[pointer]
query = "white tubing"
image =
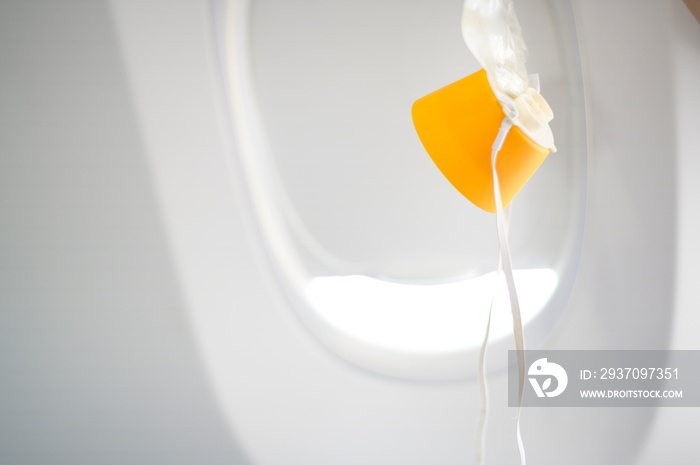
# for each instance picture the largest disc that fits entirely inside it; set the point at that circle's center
(480, 450)
(504, 256)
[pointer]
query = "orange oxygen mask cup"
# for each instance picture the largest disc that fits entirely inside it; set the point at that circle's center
(458, 125)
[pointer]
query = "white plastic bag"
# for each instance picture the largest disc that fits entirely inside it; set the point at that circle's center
(492, 32)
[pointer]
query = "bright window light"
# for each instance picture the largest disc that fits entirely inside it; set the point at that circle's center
(434, 318)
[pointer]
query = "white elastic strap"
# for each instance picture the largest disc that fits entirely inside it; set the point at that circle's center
(483, 386)
(483, 389)
(510, 281)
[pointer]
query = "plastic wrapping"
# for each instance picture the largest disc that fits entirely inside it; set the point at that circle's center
(492, 32)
